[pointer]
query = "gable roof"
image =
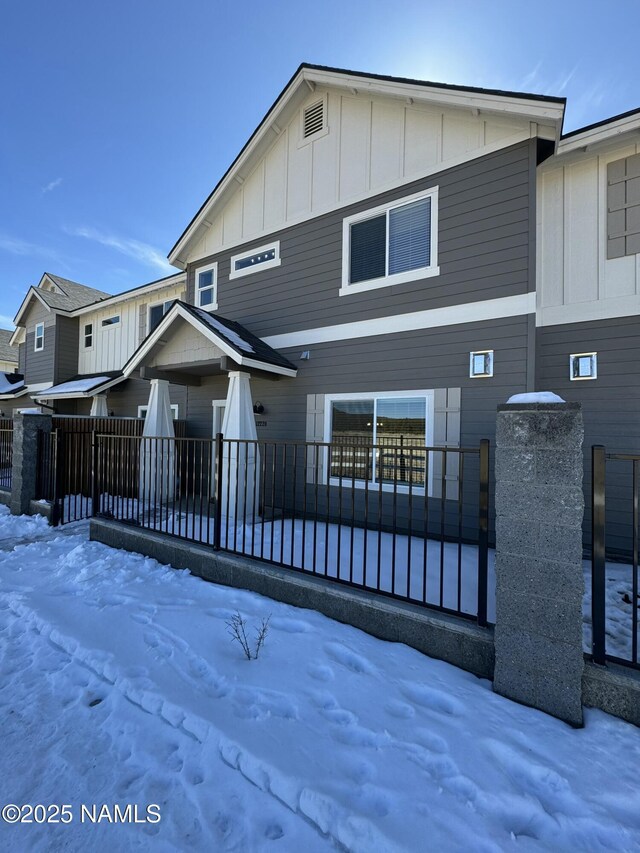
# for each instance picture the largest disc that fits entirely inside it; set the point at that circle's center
(308, 75)
(73, 295)
(600, 131)
(241, 345)
(7, 352)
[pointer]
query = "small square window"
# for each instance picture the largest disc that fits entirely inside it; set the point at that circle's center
(583, 365)
(481, 364)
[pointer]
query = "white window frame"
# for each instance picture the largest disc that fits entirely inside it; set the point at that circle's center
(429, 396)
(85, 336)
(396, 278)
(114, 325)
(324, 130)
(265, 265)
(37, 336)
(488, 356)
(577, 355)
(142, 411)
(164, 303)
(214, 286)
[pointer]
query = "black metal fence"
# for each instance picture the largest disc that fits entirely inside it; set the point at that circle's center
(64, 461)
(614, 576)
(407, 522)
(6, 457)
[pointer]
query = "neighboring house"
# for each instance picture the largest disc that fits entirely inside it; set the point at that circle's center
(8, 353)
(73, 341)
(382, 252)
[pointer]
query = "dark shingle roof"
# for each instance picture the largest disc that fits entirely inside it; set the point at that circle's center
(7, 353)
(73, 295)
(240, 339)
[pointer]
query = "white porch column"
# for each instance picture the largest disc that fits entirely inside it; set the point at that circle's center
(99, 406)
(157, 456)
(240, 472)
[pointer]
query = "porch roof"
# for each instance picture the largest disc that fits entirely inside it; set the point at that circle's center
(83, 385)
(230, 339)
(12, 386)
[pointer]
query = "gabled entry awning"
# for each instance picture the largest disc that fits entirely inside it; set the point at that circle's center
(12, 386)
(191, 342)
(83, 385)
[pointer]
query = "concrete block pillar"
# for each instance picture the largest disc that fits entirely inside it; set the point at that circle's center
(25, 459)
(539, 578)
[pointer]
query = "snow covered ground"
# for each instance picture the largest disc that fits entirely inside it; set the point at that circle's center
(120, 684)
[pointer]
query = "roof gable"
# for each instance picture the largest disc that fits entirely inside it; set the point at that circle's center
(382, 132)
(222, 338)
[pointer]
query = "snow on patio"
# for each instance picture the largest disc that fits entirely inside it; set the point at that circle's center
(120, 685)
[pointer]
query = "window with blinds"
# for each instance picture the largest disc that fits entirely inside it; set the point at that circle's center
(623, 207)
(391, 244)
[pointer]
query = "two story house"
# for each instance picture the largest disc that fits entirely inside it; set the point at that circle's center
(384, 254)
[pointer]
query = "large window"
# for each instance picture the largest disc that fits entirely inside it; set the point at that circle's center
(390, 244)
(206, 282)
(380, 438)
(38, 338)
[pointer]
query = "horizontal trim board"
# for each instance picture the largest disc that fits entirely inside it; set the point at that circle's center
(470, 312)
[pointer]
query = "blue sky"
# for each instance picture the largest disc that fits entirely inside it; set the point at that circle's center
(118, 118)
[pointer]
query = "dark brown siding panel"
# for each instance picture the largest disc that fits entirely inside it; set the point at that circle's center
(610, 403)
(485, 220)
(66, 360)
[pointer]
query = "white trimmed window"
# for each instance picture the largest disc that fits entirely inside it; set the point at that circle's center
(157, 312)
(583, 365)
(88, 335)
(391, 244)
(206, 287)
(399, 424)
(38, 338)
(255, 260)
(108, 322)
(142, 411)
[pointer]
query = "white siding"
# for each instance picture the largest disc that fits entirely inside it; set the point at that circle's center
(575, 280)
(372, 144)
(113, 345)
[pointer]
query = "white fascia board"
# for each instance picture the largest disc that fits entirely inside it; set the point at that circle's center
(263, 128)
(18, 337)
(33, 291)
(74, 395)
(132, 294)
(452, 315)
(20, 393)
(597, 135)
(483, 101)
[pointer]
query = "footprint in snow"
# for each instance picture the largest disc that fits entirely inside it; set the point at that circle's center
(320, 672)
(432, 699)
(273, 832)
(348, 658)
(154, 642)
(290, 626)
(401, 710)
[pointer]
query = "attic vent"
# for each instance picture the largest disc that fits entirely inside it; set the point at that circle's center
(313, 119)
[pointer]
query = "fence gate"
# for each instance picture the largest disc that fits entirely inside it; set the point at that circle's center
(615, 541)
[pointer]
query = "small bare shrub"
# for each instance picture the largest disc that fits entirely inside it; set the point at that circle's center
(237, 629)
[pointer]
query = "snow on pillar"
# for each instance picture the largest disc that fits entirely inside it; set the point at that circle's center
(99, 406)
(240, 486)
(157, 452)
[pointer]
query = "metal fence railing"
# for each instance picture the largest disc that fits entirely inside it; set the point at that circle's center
(407, 522)
(615, 598)
(6, 458)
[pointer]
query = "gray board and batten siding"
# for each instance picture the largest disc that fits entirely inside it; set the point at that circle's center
(486, 217)
(40, 366)
(610, 404)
